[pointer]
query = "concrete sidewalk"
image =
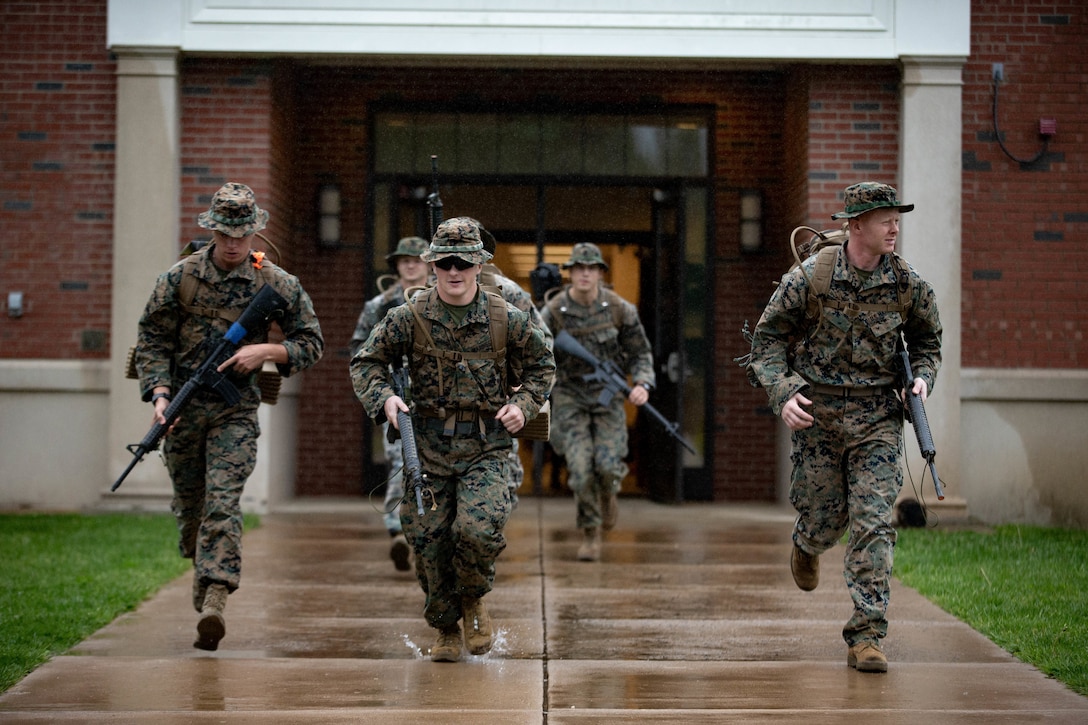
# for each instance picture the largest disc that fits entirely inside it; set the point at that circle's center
(690, 617)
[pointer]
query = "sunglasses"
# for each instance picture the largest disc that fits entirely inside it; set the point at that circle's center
(448, 263)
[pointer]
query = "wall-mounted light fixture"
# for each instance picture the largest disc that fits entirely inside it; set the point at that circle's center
(751, 220)
(328, 215)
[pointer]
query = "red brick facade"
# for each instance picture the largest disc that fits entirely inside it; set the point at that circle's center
(799, 134)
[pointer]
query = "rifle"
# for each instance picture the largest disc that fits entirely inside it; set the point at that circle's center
(614, 380)
(266, 303)
(413, 472)
(434, 201)
(916, 414)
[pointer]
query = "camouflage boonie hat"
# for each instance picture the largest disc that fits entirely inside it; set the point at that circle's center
(869, 195)
(407, 247)
(485, 236)
(234, 212)
(585, 253)
(457, 237)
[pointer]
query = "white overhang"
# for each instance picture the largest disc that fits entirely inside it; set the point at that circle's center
(776, 30)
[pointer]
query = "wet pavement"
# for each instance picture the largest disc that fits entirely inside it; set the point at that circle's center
(691, 616)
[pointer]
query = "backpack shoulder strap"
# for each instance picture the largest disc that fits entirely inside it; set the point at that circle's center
(498, 320)
(189, 284)
(616, 303)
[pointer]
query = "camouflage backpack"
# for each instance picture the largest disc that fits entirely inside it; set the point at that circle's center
(825, 246)
(269, 382)
(554, 301)
(536, 429)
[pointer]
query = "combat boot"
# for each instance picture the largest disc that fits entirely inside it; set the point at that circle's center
(477, 626)
(805, 568)
(447, 648)
(400, 552)
(590, 550)
(610, 510)
(212, 627)
(867, 657)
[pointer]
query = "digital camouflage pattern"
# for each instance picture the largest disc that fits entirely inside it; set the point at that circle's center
(457, 237)
(858, 351)
(373, 311)
(586, 253)
(457, 543)
(213, 445)
(234, 211)
(492, 277)
(593, 438)
(869, 195)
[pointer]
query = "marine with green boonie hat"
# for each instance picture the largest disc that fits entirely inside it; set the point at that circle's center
(457, 237)
(834, 385)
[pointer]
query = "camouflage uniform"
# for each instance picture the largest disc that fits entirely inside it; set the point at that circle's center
(212, 449)
(373, 311)
(467, 502)
(592, 437)
(846, 467)
(515, 294)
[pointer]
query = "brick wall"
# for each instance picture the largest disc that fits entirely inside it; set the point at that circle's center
(1025, 225)
(57, 129)
(800, 135)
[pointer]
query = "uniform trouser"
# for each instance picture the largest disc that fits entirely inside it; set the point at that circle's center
(593, 440)
(846, 477)
(460, 534)
(394, 487)
(210, 454)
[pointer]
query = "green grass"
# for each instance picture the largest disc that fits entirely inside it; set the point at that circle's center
(1024, 587)
(65, 576)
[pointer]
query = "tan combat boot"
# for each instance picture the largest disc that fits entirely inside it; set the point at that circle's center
(867, 657)
(477, 626)
(212, 627)
(447, 648)
(805, 568)
(590, 550)
(610, 510)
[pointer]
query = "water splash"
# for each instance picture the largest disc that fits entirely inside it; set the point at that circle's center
(419, 655)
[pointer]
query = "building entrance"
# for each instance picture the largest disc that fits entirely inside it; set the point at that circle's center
(652, 231)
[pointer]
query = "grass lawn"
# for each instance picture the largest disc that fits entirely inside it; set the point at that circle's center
(64, 576)
(1024, 587)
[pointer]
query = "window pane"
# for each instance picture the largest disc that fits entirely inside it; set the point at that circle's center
(393, 142)
(604, 146)
(646, 149)
(561, 145)
(687, 151)
(519, 145)
(478, 142)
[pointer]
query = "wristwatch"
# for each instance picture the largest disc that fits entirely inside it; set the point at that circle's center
(156, 396)
(649, 388)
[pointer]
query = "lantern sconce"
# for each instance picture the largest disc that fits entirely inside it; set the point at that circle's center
(328, 216)
(751, 220)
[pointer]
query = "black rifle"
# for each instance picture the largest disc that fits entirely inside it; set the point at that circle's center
(916, 414)
(614, 380)
(413, 472)
(434, 201)
(266, 303)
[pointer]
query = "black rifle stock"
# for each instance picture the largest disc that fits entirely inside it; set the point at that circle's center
(608, 373)
(434, 201)
(916, 413)
(413, 472)
(260, 310)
